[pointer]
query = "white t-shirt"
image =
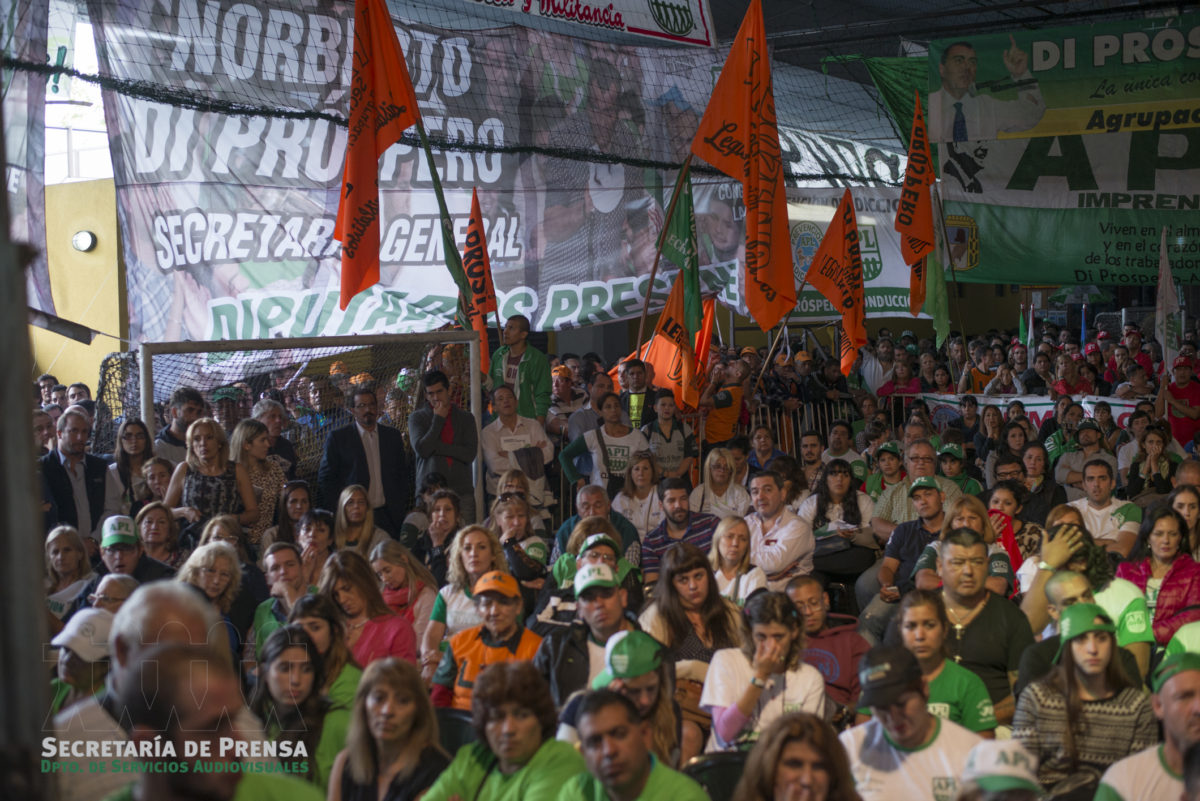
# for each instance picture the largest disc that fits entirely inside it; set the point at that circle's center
(732, 504)
(729, 674)
(644, 514)
(884, 771)
(1141, 777)
(595, 660)
(738, 588)
(620, 450)
(1109, 521)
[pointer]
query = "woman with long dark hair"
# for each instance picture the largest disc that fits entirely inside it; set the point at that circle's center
(295, 499)
(838, 515)
(392, 751)
(125, 488)
(1185, 499)
(798, 756)
(289, 701)
(1161, 567)
(1013, 437)
(1087, 714)
(325, 623)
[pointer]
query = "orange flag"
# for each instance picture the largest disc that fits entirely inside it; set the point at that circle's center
(836, 272)
(914, 215)
(739, 136)
(382, 106)
(672, 354)
(478, 268)
(704, 337)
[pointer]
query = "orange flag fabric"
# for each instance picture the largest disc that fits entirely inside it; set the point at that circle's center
(914, 215)
(478, 267)
(739, 136)
(836, 272)
(704, 337)
(382, 106)
(672, 353)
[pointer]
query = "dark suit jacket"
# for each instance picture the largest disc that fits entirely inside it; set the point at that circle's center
(57, 485)
(345, 462)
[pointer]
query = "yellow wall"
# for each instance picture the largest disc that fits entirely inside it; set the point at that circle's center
(88, 288)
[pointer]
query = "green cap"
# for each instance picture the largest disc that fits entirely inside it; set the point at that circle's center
(600, 539)
(1173, 664)
(891, 447)
(118, 530)
(627, 655)
(1001, 765)
(924, 482)
(594, 576)
(951, 449)
(1078, 619)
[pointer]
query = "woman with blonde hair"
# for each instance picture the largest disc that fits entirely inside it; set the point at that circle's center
(638, 499)
(354, 522)
(408, 587)
(474, 551)
(719, 494)
(68, 570)
(207, 483)
(213, 569)
(158, 530)
(392, 750)
(797, 756)
(515, 480)
(373, 630)
(729, 556)
(967, 512)
(250, 448)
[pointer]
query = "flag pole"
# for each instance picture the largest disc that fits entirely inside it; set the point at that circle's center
(687, 163)
(775, 344)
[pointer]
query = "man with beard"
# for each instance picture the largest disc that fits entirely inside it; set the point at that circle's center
(679, 525)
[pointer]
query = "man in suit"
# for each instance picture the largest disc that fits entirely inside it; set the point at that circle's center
(74, 479)
(446, 441)
(369, 454)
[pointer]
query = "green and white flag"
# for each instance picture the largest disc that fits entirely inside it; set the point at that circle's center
(679, 248)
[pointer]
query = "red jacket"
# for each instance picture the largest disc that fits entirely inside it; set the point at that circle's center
(836, 651)
(1179, 598)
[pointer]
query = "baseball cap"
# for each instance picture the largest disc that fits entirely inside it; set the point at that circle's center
(86, 633)
(781, 359)
(1076, 356)
(118, 530)
(1173, 665)
(749, 351)
(362, 378)
(1087, 424)
(891, 447)
(600, 539)
(338, 367)
(887, 671)
(1078, 619)
(562, 371)
(803, 356)
(1181, 361)
(497, 582)
(627, 655)
(1103, 335)
(1000, 765)
(951, 449)
(1091, 348)
(907, 333)
(924, 482)
(594, 576)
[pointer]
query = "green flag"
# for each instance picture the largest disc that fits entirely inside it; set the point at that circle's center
(1022, 335)
(937, 299)
(679, 248)
(453, 259)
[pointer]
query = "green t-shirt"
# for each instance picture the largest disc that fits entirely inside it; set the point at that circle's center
(958, 695)
(663, 783)
(968, 485)
(342, 690)
(254, 787)
(333, 740)
(1126, 605)
(1187, 639)
(473, 775)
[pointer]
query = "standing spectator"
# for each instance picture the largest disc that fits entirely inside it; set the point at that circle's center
(878, 363)
(73, 479)
(445, 441)
(274, 416)
(610, 444)
(513, 441)
(184, 408)
(251, 448)
(1179, 401)
(208, 483)
(522, 367)
(637, 398)
(369, 454)
(1161, 567)
(564, 400)
(43, 433)
(722, 399)
(671, 440)
(125, 489)
(587, 417)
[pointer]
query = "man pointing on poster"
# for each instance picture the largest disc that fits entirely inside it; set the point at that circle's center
(959, 113)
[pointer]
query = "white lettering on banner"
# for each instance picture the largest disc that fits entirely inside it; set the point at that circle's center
(807, 154)
(944, 409)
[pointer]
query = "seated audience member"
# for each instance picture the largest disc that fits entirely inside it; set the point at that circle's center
(253, 589)
(1064, 589)
(967, 512)
(719, 495)
(729, 556)
(112, 592)
(516, 755)
(326, 625)
(592, 501)
(287, 587)
(952, 465)
(1136, 426)
(158, 530)
(999, 770)
(537, 496)
(895, 506)
(1062, 439)
(593, 542)
(1155, 773)
(68, 571)
(749, 687)
(502, 637)
(295, 499)
(1111, 521)
(1089, 446)
(408, 588)
(1185, 499)
(688, 615)
(955, 693)
(798, 756)
(638, 501)
(904, 547)
(354, 523)
(635, 665)
(841, 437)
(1044, 492)
(165, 701)
(83, 658)
(832, 644)
(1161, 567)
(213, 570)
(474, 551)
(1009, 496)
(433, 543)
(615, 742)
(566, 655)
(1151, 470)
(764, 452)
(1087, 714)
(157, 473)
(838, 516)
(392, 748)
(779, 542)
(524, 551)
(121, 552)
(373, 630)
(903, 751)
(314, 535)
(889, 472)
(417, 519)
(679, 524)
(288, 698)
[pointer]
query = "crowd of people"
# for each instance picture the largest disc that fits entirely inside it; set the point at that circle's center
(805, 571)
